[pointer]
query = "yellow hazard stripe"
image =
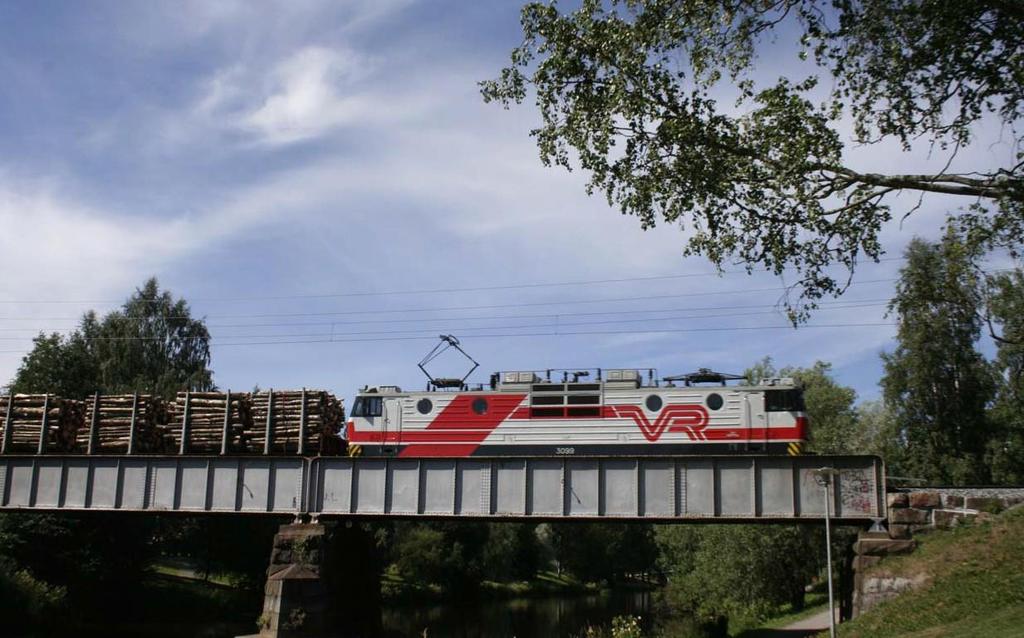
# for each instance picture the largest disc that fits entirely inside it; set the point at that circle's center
(795, 449)
(355, 450)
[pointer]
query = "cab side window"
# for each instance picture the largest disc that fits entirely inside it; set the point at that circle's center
(368, 406)
(783, 401)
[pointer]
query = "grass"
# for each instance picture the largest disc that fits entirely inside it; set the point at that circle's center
(973, 585)
(178, 569)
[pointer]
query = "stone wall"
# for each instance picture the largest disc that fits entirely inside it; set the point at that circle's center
(869, 549)
(914, 511)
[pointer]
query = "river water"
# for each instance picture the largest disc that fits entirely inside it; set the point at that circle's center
(518, 617)
(552, 617)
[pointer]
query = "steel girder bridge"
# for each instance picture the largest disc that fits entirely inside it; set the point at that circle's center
(640, 488)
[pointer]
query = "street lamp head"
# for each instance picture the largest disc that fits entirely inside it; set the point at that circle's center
(824, 475)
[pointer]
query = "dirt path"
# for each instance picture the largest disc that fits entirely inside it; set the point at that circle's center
(817, 622)
(810, 626)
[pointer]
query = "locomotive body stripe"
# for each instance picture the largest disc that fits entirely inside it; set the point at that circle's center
(460, 415)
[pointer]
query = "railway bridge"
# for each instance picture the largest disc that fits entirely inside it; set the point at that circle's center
(649, 488)
(309, 490)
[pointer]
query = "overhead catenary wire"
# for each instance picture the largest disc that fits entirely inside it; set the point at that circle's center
(554, 333)
(825, 306)
(521, 304)
(558, 333)
(466, 328)
(424, 291)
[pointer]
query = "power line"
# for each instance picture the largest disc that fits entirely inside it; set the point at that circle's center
(336, 313)
(420, 291)
(459, 329)
(555, 333)
(829, 305)
(574, 333)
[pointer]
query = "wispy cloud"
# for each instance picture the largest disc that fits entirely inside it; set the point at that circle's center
(306, 95)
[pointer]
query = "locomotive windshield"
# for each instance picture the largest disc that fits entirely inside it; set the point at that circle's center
(368, 406)
(783, 401)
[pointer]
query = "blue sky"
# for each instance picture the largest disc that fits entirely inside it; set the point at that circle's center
(268, 160)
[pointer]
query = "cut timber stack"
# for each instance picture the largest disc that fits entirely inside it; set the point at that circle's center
(113, 415)
(145, 424)
(324, 415)
(206, 416)
(23, 414)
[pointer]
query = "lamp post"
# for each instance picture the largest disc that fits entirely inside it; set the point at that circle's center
(825, 477)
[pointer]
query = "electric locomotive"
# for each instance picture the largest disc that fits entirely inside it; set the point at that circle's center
(613, 412)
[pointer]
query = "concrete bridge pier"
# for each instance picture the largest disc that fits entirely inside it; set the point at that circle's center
(295, 599)
(323, 582)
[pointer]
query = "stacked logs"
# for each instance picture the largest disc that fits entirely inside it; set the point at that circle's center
(113, 416)
(158, 425)
(206, 414)
(324, 413)
(23, 414)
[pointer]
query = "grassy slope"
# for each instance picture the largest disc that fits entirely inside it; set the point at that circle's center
(975, 585)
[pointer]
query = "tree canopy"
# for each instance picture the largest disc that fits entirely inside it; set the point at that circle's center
(1006, 309)
(937, 384)
(718, 571)
(669, 107)
(152, 344)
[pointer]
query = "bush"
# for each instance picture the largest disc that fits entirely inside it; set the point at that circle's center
(26, 601)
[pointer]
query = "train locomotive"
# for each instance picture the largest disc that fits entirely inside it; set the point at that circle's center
(580, 412)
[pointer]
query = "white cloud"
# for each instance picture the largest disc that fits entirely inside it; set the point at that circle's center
(309, 94)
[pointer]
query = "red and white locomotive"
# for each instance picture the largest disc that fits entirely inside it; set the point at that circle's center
(617, 412)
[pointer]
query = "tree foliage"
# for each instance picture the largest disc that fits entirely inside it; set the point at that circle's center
(152, 344)
(830, 406)
(1006, 309)
(603, 551)
(878, 433)
(937, 385)
(722, 571)
(457, 556)
(638, 92)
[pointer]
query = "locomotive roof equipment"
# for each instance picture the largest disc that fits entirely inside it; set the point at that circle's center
(704, 375)
(446, 383)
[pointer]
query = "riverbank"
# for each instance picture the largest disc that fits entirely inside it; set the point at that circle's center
(396, 590)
